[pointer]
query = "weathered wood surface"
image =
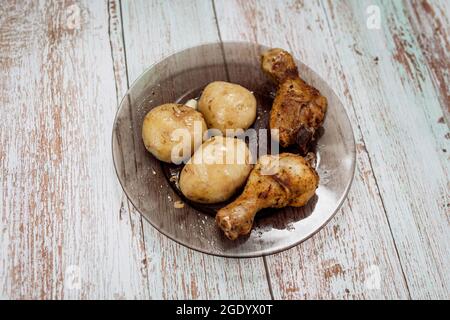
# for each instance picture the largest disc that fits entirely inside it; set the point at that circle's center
(399, 120)
(340, 260)
(391, 98)
(152, 31)
(430, 23)
(67, 230)
(63, 231)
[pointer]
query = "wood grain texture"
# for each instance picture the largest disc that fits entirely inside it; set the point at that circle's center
(430, 24)
(63, 232)
(346, 258)
(68, 231)
(397, 108)
(153, 30)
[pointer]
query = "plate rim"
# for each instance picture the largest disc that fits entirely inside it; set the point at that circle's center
(254, 254)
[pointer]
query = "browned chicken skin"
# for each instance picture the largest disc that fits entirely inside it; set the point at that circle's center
(298, 109)
(286, 179)
(276, 181)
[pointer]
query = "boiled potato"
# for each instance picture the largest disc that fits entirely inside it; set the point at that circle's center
(227, 106)
(216, 170)
(163, 140)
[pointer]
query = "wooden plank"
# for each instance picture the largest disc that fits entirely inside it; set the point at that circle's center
(63, 231)
(398, 107)
(64, 216)
(153, 30)
(430, 22)
(354, 255)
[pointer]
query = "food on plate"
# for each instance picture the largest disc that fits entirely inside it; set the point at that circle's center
(178, 204)
(221, 166)
(160, 137)
(227, 106)
(216, 171)
(276, 181)
(298, 109)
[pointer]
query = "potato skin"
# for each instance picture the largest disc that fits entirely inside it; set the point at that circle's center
(160, 123)
(227, 106)
(213, 181)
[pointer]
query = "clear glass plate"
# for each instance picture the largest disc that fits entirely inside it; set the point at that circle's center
(145, 180)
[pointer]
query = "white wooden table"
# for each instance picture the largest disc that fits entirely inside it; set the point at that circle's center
(66, 228)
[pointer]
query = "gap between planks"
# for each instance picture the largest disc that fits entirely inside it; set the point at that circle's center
(369, 159)
(330, 30)
(122, 84)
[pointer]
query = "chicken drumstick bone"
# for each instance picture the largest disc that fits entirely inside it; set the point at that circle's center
(276, 181)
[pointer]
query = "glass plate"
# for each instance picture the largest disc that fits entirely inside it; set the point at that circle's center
(145, 180)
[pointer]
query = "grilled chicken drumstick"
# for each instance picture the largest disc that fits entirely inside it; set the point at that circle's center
(298, 109)
(276, 181)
